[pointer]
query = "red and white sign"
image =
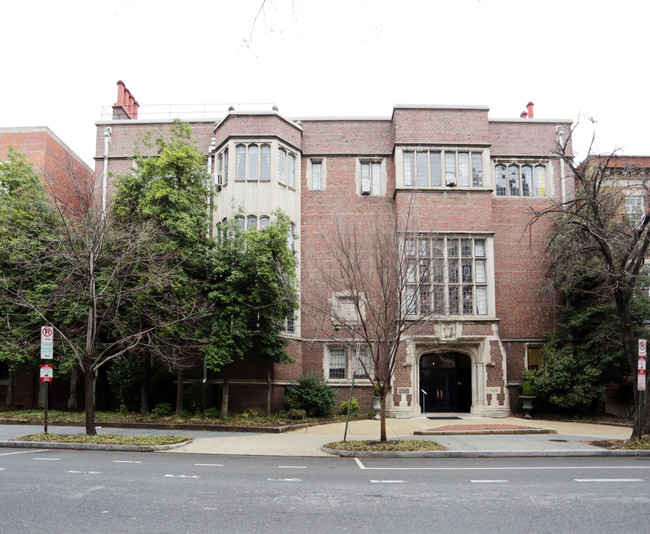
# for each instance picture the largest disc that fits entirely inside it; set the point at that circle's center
(642, 347)
(46, 373)
(47, 342)
(47, 334)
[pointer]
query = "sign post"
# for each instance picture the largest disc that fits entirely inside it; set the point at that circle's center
(47, 353)
(641, 375)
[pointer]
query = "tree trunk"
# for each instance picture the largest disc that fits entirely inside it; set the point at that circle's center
(268, 390)
(89, 383)
(144, 393)
(179, 392)
(224, 399)
(73, 404)
(9, 401)
(641, 425)
(382, 417)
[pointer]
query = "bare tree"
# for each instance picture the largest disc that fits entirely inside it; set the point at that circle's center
(369, 295)
(601, 236)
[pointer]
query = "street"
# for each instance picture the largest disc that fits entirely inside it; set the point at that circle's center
(89, 491)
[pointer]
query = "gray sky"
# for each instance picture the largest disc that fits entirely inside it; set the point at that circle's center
(579, 60)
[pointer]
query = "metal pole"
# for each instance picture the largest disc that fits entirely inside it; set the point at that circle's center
(47, 396)
(354, 372)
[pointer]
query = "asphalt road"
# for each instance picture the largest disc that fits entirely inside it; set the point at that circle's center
(100, 492)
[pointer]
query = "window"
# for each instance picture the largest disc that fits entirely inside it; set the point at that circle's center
(291, 238)
(346, 308)
(370, 178)
(316, 175)
(337, 363)
(265, 220)
(239, 220)
(534, 358)
(520, 180)
(286, 168)
(426, 167)
(634, 209)
(291, 325)
(446, 275)
(342, 364)
(251, 222)
(253, 162)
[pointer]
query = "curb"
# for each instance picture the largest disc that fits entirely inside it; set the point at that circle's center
(483, 432)
(170, 426)
(90, 446)
(485, 454)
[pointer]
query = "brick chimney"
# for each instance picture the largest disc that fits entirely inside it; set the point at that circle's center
(529, 107)
(126, 106)
(524, 115)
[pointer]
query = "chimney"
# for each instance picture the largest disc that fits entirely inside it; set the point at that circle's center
(524, 114)
(529, 107)
(126, 106)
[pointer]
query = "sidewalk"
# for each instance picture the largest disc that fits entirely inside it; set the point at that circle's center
(566, 439)
(562, 439)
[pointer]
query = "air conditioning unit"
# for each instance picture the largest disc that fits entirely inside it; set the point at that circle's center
(219, 181)
(365, 187)
(451, 181)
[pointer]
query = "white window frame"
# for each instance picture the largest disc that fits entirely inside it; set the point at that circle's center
(536, 189)
(431, 277)
(372, 183)
(440, 167)
(313, 182)
(348, 355)
(635, 209)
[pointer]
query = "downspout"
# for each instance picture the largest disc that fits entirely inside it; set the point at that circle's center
(107, 142)
(559, 130)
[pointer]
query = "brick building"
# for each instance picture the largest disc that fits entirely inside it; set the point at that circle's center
(63, 172)
(471, 181)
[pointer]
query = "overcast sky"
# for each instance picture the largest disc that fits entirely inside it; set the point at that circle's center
(579, 60)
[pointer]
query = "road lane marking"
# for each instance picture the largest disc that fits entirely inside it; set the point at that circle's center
(47, 459)
(85, 472)
(127, 461)
(182, 476)
(608, 479)
(210, 465)
(495, 481)
(531, 468)
(284, 479)
(22, 452)
(388, 481)
(2, 469)
(292, 467)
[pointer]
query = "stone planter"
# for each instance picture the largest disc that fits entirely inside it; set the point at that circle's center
(527, 405)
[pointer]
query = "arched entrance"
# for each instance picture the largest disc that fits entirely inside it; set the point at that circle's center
(445, 382)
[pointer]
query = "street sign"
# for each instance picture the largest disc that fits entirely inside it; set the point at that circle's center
(47, 342)
(642, 347)
(46, 373)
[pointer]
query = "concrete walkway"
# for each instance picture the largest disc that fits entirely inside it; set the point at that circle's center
(562, 439)
(308, 441)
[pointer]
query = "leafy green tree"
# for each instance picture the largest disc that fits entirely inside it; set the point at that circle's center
(169, 191)
(251, 287)
(87, 273)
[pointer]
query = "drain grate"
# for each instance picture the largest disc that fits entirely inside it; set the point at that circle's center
(560, 440)
(442, 418)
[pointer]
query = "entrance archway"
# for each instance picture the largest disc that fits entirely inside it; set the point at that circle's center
(445, 382)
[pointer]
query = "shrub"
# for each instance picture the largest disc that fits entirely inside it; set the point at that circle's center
(162, 409)
(248, 413)
(311, 394)
(295, 413)
(210, 413)
(354, 406)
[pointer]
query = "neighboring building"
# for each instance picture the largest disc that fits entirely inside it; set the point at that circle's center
(62, 172)
(475, 180)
